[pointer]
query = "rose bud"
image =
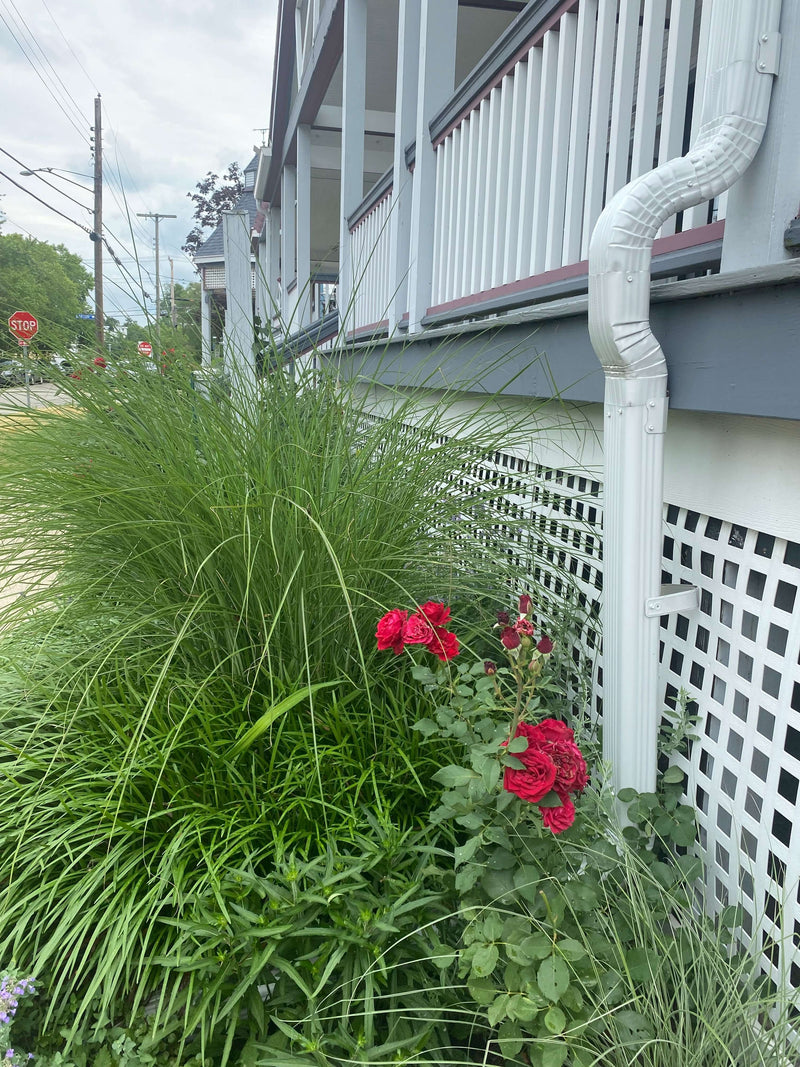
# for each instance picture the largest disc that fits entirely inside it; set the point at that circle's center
(525, 604)
(510, 638)
(503, 618)
(489, 666)
(545, 646)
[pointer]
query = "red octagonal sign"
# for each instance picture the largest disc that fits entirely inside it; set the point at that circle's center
(23, 325)
(145, 348)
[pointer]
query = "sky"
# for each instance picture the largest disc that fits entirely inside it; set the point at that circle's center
(185, 87)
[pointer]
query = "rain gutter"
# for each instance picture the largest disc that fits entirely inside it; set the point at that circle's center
(744, 48)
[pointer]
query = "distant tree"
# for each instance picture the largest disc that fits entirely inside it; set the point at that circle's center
(214, 195)
(49, 282)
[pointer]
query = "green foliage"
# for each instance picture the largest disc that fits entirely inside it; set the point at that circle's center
(48, 282)
(587, 947)
(214, 195)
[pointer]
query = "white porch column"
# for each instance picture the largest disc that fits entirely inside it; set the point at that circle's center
(273, 265)
(303, 225)
(437, 64)
(404, 127)
(354, 71)
(262, 301)
(765, 199)
(205, 327)
(239, 356)
(288, 247)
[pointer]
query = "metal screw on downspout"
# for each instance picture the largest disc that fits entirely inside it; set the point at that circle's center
(762, 65)
(764, 38)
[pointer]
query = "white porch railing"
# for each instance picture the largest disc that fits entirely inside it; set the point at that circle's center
(369, 251)
(524, 172)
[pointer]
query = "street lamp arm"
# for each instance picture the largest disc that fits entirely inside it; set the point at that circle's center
(57, 173)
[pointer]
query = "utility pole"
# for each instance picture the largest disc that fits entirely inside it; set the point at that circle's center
(97, 234)
(173, 314)
(157, 217)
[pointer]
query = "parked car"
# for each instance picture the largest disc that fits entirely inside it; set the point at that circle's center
(12, 372)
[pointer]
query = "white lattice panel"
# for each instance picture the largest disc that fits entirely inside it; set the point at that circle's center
(548, 522)
(738, 658)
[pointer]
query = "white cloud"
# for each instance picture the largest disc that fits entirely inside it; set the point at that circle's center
(184, 84)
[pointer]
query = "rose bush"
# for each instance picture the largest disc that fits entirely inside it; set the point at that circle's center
(549, 951)
(541, 763)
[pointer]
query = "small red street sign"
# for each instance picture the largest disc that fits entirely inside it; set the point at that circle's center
(23, 325)
(145, 348)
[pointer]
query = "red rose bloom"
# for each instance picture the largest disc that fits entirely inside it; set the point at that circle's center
(510, 638)
(570, 764)
(416, 631)
(443, 644)
(524, 626)
(539, 773)
(390, 631)
(556, 740)
(436, 614)
(552, 730)
(545, 646)
(561, 818)
(535, 780)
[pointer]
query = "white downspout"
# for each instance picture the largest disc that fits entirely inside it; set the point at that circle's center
(743, 49)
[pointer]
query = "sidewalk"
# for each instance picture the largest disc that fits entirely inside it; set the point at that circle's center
(45, 394)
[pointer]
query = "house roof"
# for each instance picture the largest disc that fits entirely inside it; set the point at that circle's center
(211, 249)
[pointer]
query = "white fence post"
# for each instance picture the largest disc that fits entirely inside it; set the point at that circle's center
(239, 356)
(205, 327)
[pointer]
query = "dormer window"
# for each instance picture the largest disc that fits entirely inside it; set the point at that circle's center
(249, 179)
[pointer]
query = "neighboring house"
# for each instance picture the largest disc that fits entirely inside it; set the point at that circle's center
(210, 257)
(448, 162)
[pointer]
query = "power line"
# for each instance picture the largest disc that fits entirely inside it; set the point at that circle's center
(45, 204)
(34, 172)
(69, 46)
(38, 73)
(34, 38)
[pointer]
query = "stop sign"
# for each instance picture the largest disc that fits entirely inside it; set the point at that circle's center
(23, 325)
(145, 348)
